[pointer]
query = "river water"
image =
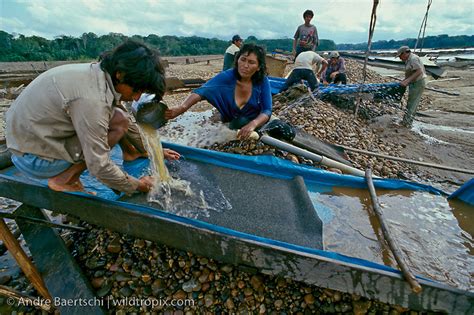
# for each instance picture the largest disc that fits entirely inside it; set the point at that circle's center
(435, 235)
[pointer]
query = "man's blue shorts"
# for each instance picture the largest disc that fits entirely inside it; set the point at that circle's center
(35, 166)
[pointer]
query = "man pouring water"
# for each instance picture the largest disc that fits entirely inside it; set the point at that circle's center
(68, 119)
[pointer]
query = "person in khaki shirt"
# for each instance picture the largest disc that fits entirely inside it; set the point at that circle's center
(415, 75)
(68, 119)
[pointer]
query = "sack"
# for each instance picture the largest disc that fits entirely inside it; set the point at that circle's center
(279, 129)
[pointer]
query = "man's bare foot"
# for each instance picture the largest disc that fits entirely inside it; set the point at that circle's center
(55, 184)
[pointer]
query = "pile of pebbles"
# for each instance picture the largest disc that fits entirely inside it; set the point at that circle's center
(119, 266)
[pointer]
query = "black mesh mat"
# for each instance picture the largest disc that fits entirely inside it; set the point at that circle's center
(263, 206)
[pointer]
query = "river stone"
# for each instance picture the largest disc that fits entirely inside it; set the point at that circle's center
(248, 291)
(205, 287)
(227, 268)
(95, 262)
(229, 303)
(157, 286)
(309, 299)
(146, 278)
(104, 290)
(361, 307)
(208, 300)
(114, 246)
(190, 285)
(122, 277)
(97, 282)
(180, 295)
(278, 303)
(256, 282)
(203, 277)
(126, 291)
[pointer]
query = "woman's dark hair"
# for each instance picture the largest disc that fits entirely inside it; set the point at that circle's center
(308, 13)
(247, 49)
(140, 65)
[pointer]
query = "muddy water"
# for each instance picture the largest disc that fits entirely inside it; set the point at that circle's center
(435, 235)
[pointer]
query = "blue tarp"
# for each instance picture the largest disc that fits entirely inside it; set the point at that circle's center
(465, 192)
(393, 88)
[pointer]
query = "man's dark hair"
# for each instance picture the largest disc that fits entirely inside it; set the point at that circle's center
(308, 13)
(140, 65)
(260, 53)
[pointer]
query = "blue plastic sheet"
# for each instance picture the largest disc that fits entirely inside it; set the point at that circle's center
(379, 89)
(465, 192)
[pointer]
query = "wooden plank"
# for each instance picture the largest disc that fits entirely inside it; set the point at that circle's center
(30, 271)
(62, 275)
(272, 258)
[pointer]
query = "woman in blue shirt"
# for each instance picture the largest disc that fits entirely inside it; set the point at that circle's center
(241, 95)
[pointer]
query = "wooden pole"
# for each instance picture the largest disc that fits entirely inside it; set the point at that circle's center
(431, 89)
(406, 272)
(373, 20)
(394, 158)
(42, 222)
(23, 261)
(30, 300)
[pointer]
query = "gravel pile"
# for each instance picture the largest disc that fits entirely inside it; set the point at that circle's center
(121, 267)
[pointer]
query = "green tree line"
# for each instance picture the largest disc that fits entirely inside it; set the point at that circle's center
(90, 46)
(439, 41)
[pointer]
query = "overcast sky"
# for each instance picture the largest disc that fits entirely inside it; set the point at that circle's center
(341, 21)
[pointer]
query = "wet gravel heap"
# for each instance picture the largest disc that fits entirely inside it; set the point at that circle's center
(120, 266)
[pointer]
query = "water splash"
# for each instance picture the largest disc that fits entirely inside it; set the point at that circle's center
(174, 194)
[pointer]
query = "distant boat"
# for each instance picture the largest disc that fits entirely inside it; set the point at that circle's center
(392, 63)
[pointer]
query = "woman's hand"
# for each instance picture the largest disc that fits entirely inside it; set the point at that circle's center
(192, 99)
(246, 130)
(145, 184)
(171, 155)
(173, 112)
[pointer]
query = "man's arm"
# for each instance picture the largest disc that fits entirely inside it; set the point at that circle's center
(411, 78)
(91, 123)
(316, 39)
(323, 68)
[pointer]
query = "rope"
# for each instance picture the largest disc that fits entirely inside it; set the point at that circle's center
(423, 26)
(373, 19)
